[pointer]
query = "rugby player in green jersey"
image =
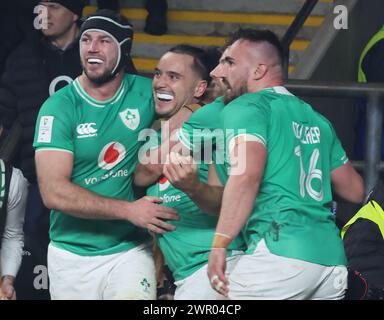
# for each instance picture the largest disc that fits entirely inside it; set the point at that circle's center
(282, 158)
(181, 78)
(87, 142)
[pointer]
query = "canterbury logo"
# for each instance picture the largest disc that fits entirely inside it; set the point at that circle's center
(86, 129)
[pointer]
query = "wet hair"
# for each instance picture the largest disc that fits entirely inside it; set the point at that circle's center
(204, 60)
(258, 36)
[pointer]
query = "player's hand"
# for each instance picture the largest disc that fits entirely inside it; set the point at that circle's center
(148, 214)
(217, 264)
(7, 291)
(182, 172)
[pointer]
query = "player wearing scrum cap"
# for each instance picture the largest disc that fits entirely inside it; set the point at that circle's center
(86, 150)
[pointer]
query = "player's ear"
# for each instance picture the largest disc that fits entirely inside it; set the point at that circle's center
(200, 88)
(259, 71)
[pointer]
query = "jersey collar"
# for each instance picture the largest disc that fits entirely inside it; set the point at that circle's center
(278, 90)
(98, 103)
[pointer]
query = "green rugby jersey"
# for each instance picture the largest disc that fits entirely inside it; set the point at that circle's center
(201, 126)
(187, 248)
(292, 210)
(103, 138)
(202, 131)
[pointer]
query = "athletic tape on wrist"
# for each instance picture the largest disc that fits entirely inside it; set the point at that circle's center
(221, 240)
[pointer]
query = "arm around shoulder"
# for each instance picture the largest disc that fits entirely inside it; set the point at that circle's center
(54, 169)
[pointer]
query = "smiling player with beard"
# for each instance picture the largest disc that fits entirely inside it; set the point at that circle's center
(86, 150)
(280, 201)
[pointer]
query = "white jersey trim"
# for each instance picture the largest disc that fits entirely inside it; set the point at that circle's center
(245, 137)
(97, 103)
(282, 90)
(53, 149)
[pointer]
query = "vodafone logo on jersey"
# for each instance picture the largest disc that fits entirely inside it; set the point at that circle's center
(111, 155)
(163, 184)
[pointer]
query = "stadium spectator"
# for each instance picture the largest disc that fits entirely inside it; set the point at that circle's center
(16, 20)
(363, 237)
(370, 70)
(13, 197)
(46, 61)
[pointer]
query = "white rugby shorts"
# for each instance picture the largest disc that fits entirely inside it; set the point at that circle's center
(120, 276)
(266, 276)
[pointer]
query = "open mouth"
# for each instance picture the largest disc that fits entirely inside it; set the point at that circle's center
(94, 61)
(165, 97)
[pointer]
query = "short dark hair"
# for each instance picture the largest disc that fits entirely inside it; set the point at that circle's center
(211, 59)
(204, 60)
(255, 35)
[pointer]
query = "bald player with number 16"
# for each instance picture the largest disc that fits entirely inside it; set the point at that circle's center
(86, 144)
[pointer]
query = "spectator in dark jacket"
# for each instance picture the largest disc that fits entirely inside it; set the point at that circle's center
(370, 70)
(364, 242)
(16, 20)
(43, 63)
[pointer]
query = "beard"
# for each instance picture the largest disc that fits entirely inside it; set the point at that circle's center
(105, 77)
(100, 79)
(233, 93)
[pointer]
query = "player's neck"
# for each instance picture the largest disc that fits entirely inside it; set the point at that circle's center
(103, 91)
(255, 87)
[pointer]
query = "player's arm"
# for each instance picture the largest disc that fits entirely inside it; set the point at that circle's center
(182, 173)
(347, 183)
(208, 196)
(54, 169)
(242, 186)
(146, 174)
(239, 196)
(150, 166)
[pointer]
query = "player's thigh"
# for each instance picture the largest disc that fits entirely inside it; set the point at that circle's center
(333, 284)
(133, 276)
(72, 277)
(264, 275)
